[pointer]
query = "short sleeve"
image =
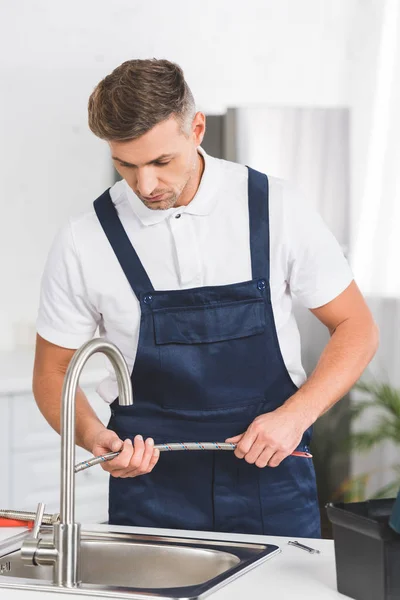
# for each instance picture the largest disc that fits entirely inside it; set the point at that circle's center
(66, 316)
(317, 268)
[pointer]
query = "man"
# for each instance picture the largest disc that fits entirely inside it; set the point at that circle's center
(188, 265)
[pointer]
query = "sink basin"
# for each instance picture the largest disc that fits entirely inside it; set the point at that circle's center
(126, 565)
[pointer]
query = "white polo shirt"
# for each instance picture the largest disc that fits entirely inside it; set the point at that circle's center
(84, 287)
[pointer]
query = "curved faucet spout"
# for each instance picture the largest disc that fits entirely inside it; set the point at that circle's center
(67, 532)
(78, 361)
(64, 552)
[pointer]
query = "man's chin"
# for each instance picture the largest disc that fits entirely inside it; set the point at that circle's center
(161, 205)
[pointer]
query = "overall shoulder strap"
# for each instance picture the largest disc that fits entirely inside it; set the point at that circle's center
(120, 243)
(258, 189)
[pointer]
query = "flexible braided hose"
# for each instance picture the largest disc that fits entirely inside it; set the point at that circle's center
(170, 448)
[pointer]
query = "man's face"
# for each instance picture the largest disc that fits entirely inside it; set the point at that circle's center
(162, 164)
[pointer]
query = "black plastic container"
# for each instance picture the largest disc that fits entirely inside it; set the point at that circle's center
(367, 550)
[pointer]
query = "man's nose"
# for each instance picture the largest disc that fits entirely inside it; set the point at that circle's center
(146, 182)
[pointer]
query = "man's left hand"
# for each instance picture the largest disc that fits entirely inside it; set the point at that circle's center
(270, 438)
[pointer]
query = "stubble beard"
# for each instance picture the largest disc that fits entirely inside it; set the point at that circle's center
(172, 200)
(162, 204)
(168, 202)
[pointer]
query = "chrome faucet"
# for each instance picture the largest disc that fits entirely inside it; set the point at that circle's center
(63, 551)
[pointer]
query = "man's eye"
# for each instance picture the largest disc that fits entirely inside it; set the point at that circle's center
(158, 163)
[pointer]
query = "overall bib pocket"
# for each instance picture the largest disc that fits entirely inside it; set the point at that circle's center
(224, 344)
(209, 323)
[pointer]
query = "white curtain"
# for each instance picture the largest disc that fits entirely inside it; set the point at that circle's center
(307, 146)
(375, 231)
(375, 223)
(310, 148)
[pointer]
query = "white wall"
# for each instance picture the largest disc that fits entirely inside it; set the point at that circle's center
(234, 53)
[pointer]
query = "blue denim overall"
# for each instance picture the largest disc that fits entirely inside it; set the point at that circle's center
(208, 363)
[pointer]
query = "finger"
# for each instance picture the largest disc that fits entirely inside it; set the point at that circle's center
(245, 444)
(138, 452)
(106, 442)
(116, 444)
(153, 461)
(264, 458)
(256, 450)
(234, 440)
(115, 463)
(123, 459)
(146, 458)
(276, 459)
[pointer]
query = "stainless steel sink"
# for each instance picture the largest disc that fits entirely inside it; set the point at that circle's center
(113, 562)
(125, 565)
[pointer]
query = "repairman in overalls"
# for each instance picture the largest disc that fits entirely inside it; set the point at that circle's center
(188, 264)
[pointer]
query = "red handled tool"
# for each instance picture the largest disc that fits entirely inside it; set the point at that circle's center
(15, 523)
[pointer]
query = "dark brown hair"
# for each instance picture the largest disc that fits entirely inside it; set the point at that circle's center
(136, 96)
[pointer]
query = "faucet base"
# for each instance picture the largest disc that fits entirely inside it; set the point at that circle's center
(67, 541)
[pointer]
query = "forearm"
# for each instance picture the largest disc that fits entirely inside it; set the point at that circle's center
(343, 360)
(47, 391)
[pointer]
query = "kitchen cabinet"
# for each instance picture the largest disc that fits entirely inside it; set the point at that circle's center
(30, 448)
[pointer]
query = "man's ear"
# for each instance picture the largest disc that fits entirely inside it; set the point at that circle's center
(199, 127)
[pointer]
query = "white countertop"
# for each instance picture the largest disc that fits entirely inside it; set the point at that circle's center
(293, 573)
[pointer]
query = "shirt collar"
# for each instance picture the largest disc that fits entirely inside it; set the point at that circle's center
(202, 203)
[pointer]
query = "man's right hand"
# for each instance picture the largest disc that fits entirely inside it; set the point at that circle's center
(135, 459)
